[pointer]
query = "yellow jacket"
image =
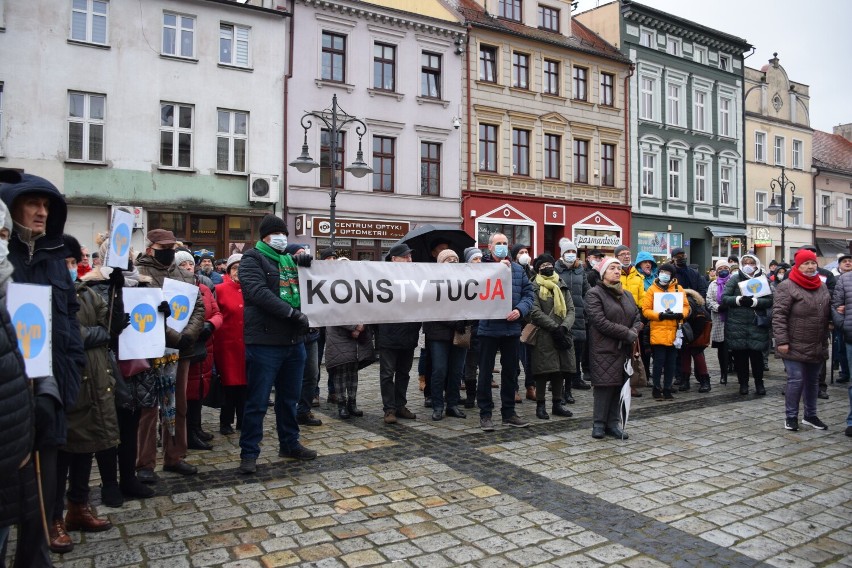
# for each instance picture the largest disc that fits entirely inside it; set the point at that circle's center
(634, 283)
(663, 332)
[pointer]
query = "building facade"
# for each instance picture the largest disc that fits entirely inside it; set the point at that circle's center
(173, 109)
(544, 128)
(400, 73)
(777, 119)
(686, 135)
(832, 166)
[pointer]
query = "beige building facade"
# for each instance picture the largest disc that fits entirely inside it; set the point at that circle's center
(832, 163)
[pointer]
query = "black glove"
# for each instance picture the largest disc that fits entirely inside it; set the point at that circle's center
(206, 332)
(303, 259)
(126, 321)
(677, 317)
(560, 341)
(666, 316)
(164, 309)
(747, 301)
(461, 326)
(300, 318)
(116, 278)
(185, 342)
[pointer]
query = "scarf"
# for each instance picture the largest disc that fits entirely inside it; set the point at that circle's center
(6, 270)
(549, 286)
(615, 290)
(288, 274)
(720, 289)
(807, 283)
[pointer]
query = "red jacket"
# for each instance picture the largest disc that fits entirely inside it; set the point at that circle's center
(229, 345)
(199, 373)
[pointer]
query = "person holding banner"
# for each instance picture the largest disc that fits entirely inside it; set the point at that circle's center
(748, 327)
(665, 305)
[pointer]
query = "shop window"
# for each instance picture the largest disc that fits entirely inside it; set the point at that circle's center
(174, 222)
(517, 234)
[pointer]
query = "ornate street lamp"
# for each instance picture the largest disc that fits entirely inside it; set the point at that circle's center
(777, 207)
(334, 119)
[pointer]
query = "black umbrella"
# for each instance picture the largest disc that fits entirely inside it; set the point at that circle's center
(423, 239)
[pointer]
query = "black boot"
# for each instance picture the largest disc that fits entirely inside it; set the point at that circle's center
(566, 395)
(598, 430)
(559, 409)
(470, 390)
(353, 408)
(194, 442)
(541, 411)
(342, 411)
(684, 384)
(578, 383)
(723, 380)
(744, 388)
(759, 389)
(704, 383)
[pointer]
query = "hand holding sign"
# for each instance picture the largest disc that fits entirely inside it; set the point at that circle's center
(29, 308)
(668, 302)
(119, 239)
(181, 298)
(145, 337)
(755, 287)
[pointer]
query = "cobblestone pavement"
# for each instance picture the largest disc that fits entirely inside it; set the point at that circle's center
(707, 480)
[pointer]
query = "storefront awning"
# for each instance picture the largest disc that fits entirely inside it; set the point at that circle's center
(830, 247)
(726, 231)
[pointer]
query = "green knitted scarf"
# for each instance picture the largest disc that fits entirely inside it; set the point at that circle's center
(288, 274)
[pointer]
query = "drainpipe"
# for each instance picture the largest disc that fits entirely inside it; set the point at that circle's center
(627, 133)
(469, 124)
(287, 77)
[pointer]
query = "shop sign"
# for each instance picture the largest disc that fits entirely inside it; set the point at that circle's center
(606, 241)
(599, 223)
(658, 243)
(554, 215)
(361, 228)
(301, 225)
(762, 243)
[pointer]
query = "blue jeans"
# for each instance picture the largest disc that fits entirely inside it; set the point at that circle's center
(309, 378)
(488, 347)
(666, 359)
(268, 365)
(447, 372)
(802, 379)
(838, 352)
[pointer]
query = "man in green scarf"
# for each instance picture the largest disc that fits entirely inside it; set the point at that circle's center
(274, 331)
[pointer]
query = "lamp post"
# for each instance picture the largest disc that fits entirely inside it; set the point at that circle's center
(334, 119)
(781, 183)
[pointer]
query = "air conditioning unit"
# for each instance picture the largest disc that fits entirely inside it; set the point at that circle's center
(263, 188)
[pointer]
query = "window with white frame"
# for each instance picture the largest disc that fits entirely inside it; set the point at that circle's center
(779, 151)
(759, 205)
(848, 213)
(234, 45)
(675, 166)
(232, 141)
(724, 62)
(647, 98)
(674, 106)
(86, 113)
(672, 46)
(178, 35)
(700, 187)
(825, 210)
(796, 219)
(649, 171)
(726, 116)
(726, 176)
(797, 154)
(89, 21)
(430, 75)
(699, 54)
(699, 110)
(176, 124)
(759, 146)
(646, 38)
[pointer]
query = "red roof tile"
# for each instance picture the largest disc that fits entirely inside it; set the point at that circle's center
(832, 151)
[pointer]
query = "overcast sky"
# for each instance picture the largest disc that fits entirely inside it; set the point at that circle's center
(812, 38)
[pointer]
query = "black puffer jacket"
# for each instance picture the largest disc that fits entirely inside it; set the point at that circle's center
(741, 331)
(268, 320)
(578, 283)
(397, 335)
(42, 262)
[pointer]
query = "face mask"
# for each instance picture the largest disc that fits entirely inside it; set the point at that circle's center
(278, 242)
(780, 277)
(594, 263)
(546, 271)
(73, 273)
(814, 275)
(523, 259)
(680, 261)
(665, 277)
(723, 273)
(164, 257)
(570, 257)
(501, 251)
(748, 269)
(4, 250)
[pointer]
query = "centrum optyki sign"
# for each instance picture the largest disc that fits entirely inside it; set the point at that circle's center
(345, 293)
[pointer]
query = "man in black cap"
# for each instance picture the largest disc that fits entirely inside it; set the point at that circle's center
(396, 343)
(274, 329)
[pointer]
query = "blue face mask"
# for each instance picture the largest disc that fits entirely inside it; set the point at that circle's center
(501, 251)
(664, 277)
(570, 257)
(73, 273)
(278, 242)
(723, 273)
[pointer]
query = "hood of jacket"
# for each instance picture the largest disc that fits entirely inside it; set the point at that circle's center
(695, 296)
(30, 185)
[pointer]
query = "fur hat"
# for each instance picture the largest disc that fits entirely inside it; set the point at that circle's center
(182, 256)
(541, 259)
(566, 244)
(471, 253)
(803, 255)
(272, 224)
(604, 264)
(447, 255)
(233, 259)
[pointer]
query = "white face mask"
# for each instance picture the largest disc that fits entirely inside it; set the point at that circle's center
(523, 259)
(570, 257)
(4, 250)
(278, 242)
(748, 269)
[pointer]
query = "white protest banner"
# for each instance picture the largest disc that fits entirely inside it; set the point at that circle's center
(664, 301)
(181, 298)
(756, 287)
(145, 337)
(346, 293)
(119, 239)
(29, 307)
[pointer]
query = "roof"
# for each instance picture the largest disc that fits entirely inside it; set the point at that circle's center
(832, 151)
(581, 39)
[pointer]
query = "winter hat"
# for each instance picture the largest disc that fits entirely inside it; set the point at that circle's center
(722, 262)
(72, 248)
(841, 256)
(447, 255)
(293, 247)
(183, 256)
(620, 249)
(541, 259)
(471, 253)
(272, 224)
(676, 251)
(803, 255)
(668, 267)
(234, 258)
(515, 249)
(604, 264)
(566, 244)
(327, 253)
(399, 249)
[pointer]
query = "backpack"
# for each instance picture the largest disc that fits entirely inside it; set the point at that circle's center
(699, 318)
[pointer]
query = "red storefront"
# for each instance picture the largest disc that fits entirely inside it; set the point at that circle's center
(540, 223)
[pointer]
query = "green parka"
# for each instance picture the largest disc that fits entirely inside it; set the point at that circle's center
(546, 358)
(741, 331)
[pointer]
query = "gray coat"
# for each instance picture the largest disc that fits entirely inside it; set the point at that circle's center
(341, 348)
(800, 320)
(843, 297)
(578, 284)
(614, 324)
(546, 358)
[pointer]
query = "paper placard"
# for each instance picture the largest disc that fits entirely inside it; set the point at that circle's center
(671, 301)
(756, 287)
(121, 228)
(29, 307)
(181, 298)
(145, 337)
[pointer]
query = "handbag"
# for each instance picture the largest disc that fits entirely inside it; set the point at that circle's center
(529, 333)
(462, 338)
(639, 378)
(762, 319)
(688, 334)
(130, 367)
(216, 395)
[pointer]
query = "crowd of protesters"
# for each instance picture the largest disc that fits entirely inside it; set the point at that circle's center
(605, 317)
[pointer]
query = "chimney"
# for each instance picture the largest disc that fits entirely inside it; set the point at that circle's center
(844, 130)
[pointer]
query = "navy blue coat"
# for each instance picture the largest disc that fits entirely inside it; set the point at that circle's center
(523, 296)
